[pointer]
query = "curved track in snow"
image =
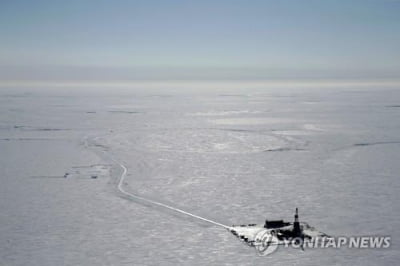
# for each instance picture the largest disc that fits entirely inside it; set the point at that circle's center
(123, 191)
(157, 203)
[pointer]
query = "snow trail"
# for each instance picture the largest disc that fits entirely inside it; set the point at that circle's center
(157, 203)
(121, 189)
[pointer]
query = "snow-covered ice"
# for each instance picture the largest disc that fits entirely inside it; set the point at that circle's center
(240, 159)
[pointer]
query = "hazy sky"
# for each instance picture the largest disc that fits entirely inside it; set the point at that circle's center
(148, 39)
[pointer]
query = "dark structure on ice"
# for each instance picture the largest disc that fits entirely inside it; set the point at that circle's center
(296, 224)
(284, 230)
(279, 231)
(269, 224)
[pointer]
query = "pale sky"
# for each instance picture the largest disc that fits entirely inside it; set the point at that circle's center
(229, 39)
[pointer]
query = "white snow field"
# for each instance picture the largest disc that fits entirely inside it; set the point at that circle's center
(154, 179)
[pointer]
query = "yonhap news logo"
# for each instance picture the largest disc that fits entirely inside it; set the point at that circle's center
(267, 243)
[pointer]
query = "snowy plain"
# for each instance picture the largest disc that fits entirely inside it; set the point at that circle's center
(233, 158)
